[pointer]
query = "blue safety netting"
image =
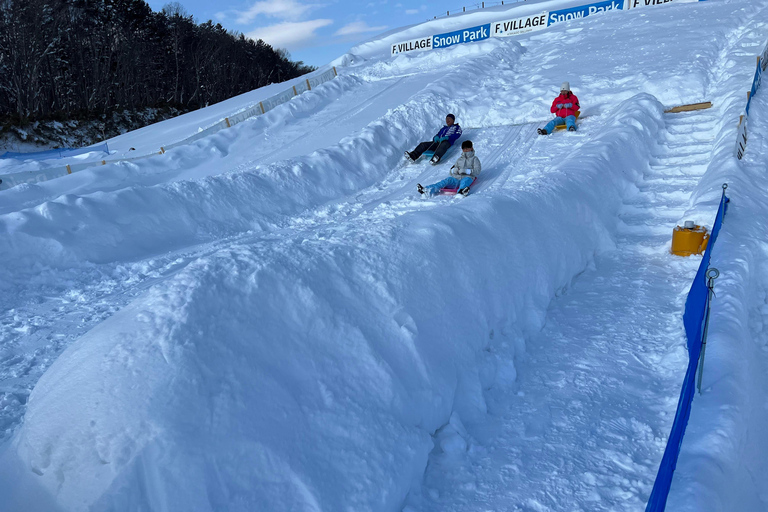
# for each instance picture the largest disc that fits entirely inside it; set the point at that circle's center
(56, 153)
(693, 319)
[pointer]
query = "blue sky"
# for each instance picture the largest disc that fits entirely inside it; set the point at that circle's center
(315, 32)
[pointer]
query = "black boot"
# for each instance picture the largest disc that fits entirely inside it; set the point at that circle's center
(542, 131)
(421, 189)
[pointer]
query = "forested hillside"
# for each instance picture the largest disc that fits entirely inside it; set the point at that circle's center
(88, 59)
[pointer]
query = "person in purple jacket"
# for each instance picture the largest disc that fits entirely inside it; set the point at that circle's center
(439, 143)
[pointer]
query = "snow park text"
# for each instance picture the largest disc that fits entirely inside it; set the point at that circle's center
(520, 25)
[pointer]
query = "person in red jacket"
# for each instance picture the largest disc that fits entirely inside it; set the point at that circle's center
(564, 107)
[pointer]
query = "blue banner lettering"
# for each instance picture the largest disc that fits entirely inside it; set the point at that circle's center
(462, 36)
(581, 11)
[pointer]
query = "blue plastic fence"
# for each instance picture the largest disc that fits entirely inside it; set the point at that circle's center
(55, 153)
(695, 309)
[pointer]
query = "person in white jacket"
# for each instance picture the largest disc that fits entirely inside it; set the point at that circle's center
(463, 173)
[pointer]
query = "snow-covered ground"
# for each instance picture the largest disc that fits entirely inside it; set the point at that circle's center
(271, 319)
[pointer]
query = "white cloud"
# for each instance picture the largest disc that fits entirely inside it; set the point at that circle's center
(416, 11)
(284, 9)
(289, 35)
(358, 27)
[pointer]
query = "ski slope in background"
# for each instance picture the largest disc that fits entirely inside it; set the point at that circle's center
(271, 319)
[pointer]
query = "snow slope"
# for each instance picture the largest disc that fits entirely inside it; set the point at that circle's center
(270, 319)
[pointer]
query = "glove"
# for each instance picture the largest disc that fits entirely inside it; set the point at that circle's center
(559, 105)
(467, 171)
(568, 105)
(435, 139)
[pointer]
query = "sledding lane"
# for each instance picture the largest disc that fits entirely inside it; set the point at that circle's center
(97, 293)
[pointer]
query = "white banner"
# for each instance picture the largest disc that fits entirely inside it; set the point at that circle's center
(274, 101)
(321, 79)
(414, 45)
(522, 25)
(11, 180)
(301, 87)
(633, 4)
(741, 138)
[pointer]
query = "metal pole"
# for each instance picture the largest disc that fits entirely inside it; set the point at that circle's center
(712, 274)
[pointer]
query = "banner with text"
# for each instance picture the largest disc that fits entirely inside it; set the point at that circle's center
(741, 135)
(414, 45)
(468, 35)
(634, 4)
(582, 11)
(520, 25)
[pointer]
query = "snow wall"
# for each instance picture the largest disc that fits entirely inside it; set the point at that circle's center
(270, 366)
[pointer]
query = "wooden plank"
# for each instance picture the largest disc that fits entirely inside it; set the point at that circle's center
(689, 108)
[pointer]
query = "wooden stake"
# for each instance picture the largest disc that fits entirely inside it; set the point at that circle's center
(103, 162)
(689, 108)
(334, 71)
(162, 150)
(69, 169)
(309, 87)
(229, 125)
(262, 108)
(294, 91)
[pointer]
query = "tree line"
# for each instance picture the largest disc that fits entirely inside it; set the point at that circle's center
(63, 59)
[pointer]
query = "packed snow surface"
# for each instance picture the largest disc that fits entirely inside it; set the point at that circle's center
(272, 318)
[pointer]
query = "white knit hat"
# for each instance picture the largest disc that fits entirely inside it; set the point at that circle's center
(565, 87)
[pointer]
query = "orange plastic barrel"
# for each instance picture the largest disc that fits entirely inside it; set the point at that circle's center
(687, 241)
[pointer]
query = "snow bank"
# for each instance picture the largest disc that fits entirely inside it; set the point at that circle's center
(311, 373)
(299, 363)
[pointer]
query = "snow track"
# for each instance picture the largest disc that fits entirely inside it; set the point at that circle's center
(584, 426)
